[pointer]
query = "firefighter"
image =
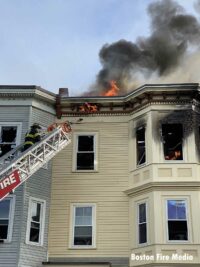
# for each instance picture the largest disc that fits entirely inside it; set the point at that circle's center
(33, 136)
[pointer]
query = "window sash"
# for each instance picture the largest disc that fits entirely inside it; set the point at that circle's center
(8, 221)
(141, 145)
(91, 166)
(181, 234)
(35, 229)
(7, 146)
(87, 237)
(142, 226)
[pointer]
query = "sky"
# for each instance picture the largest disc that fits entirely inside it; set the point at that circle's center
(56, 43)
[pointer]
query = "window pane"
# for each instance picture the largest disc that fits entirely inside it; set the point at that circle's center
(3, 229)
(142, 213)
(142, 233)
(86, 220)
(83, 235)
(4, 208)
(83, 219)
(177, 230)
(176, 209)
(86, 143)
(79, 220)
(140, 142)
(8, 134)
(34, 232)
(172, 140)
(35, 211)
(87, 211)
(79, 211)
(85, 161)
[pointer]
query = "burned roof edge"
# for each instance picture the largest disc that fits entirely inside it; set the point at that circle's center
(134, 93)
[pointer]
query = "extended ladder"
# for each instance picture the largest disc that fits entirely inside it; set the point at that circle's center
(16, 166)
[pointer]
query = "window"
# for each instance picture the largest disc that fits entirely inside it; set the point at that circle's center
(142, 223)
(35, 224)
(6, 218)
(172, 135)
(9, 137)
(177, 220)
(83, 225)
(86, 152)
(140, 143)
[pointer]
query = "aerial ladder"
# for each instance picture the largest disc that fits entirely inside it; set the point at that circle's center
(17, 165)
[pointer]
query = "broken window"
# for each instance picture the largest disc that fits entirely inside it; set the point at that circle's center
(35, 226)
(83, 226)
(8, 138)
(140, 143)
(142, 223)
(172, 135)
(85, 152)
(177, 220)
(5, 218)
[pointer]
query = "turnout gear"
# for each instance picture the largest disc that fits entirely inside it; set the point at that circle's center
(32, 137)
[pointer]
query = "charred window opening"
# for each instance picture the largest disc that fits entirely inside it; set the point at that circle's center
(172, 135)
(8, 136)
(85, 152)
(177, 221)
(140, 143)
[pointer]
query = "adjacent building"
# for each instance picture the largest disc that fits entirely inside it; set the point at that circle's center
(24, 214)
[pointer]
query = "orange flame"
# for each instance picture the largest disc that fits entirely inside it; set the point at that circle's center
(113, 90)
(88, 108)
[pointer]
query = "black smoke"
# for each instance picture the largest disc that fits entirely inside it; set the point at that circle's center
(173, 34)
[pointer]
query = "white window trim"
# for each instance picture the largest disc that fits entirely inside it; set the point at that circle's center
(187, 219)
(75, 148)
(11, 218)
(41, 237)
(147, 223)
(19, 129)
(73, 208)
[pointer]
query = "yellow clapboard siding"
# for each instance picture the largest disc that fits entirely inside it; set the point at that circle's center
(103, 188)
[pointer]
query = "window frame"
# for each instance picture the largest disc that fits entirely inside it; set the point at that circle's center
(138, 223)
(75, 150)
(73, 210)
(13, 124)
(10, 218)
(187, 220)
(42, 222)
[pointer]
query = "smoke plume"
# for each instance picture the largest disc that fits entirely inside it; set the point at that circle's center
(174, 40)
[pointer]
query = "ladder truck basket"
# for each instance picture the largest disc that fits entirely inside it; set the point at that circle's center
(17, 165)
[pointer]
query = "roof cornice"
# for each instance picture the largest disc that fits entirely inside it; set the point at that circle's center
(121, 105)
(27, 91)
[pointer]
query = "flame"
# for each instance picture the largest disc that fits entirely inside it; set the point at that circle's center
(86, 107)
(113, 90)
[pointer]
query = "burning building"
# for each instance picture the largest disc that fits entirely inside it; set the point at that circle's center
(129, 184)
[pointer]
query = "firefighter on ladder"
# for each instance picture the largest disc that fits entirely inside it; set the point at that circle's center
(33, 136)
